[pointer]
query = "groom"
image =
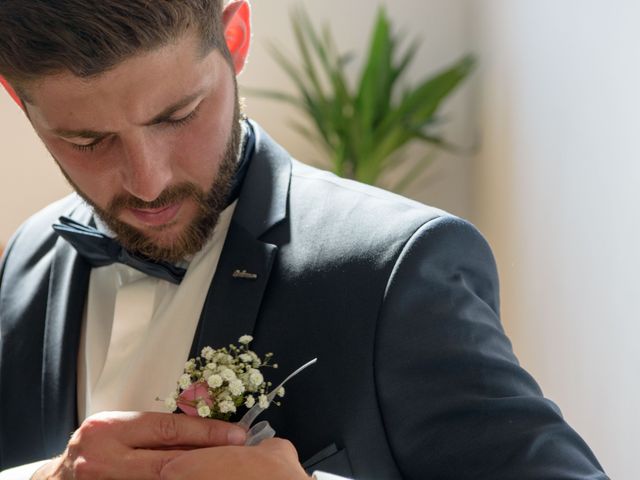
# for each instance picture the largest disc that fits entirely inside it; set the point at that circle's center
(191, 227)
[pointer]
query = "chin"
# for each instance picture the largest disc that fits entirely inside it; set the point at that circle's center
(165, 236)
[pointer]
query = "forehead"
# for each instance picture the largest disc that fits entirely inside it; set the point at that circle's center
(133, 88)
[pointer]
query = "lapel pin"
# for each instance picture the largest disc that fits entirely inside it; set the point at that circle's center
(245, 275)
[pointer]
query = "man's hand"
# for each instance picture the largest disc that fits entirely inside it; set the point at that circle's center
(274, 458)
(131, 445)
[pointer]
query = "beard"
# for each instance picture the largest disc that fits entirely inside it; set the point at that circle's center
(197, 233)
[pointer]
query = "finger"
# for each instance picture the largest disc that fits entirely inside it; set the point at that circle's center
(148, 464)
(279, 446)
(165, 429)
(138, 464)
(120, 464)
(154, 430)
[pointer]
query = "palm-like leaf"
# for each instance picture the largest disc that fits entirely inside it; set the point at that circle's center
(364, 131)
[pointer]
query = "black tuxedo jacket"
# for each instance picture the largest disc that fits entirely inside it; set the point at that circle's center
(415, 377)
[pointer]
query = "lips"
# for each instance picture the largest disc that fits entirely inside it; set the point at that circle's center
(156, 216)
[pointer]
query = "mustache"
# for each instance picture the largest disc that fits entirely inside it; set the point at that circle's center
(169, 196)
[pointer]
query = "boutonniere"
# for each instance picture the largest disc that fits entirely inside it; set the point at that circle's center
(219, 381)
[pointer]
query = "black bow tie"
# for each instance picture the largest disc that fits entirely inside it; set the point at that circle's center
(101, 250)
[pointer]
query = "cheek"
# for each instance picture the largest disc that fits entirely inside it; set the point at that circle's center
(90, 175)
(201, 148)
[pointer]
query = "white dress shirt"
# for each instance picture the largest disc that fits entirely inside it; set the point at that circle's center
(138, 331)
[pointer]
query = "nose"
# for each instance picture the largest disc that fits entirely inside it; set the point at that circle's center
(146, 167)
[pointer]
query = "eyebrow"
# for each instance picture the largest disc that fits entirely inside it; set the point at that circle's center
(160, 118)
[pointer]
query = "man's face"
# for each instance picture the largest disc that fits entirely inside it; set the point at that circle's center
(151, 144)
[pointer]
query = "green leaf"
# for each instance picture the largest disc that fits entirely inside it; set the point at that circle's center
(275, 95)
(419, 106)
(406, 60)
(363, 129)
(374, 91)
(416, 172)
(301, 39)
(439, 142)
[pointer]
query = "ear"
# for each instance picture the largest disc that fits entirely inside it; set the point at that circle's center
(236, 20)
(11, 91)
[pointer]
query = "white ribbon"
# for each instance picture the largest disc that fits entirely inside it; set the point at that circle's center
(262, 430)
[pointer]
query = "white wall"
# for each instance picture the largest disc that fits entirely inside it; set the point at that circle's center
(29, 179)
(557, 193)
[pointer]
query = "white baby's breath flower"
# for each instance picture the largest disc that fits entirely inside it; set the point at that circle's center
(170, 404)
(214, 381)
(185, 381)
(280, 392)
(227, 406)
(255, 360)
(228, 374)
(190, 366)
(232, 376)
(255, 378)
(236, 387)
(207, 353)
(204, 410)
(223, 358)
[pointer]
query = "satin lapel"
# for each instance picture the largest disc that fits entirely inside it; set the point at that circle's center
(236, 292)
(66, 298)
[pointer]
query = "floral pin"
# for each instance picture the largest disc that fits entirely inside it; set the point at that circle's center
(219, 381)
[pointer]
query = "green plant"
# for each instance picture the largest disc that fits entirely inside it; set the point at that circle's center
(364, 130)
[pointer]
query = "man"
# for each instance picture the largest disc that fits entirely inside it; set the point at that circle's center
(137, 103)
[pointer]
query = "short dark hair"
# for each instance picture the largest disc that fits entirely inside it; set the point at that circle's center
(89, 37)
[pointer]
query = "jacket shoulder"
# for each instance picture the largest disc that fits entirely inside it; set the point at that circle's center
(348, 203)
(330, 181)
(35, 237)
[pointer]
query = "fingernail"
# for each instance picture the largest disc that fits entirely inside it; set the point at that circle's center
(236, 436)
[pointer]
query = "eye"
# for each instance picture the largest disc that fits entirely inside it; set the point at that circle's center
(89, 147)
(184, 120)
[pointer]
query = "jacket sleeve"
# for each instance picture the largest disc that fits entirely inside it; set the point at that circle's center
(455, 402)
